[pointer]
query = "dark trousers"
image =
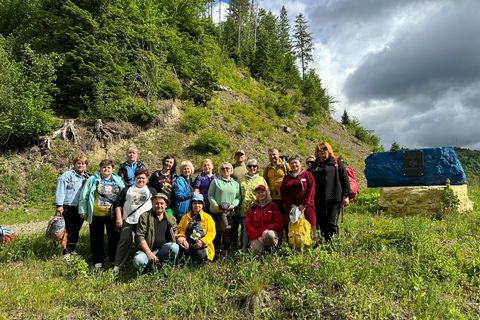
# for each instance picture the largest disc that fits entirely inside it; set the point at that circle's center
(198, 256)
(327, 218)
(97, 228)
(285, 216)
(226, 237)
(73, 224)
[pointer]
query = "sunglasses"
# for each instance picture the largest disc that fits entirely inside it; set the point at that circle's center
(310, 162)
(225, 168)
(252, 166)
(324, 148)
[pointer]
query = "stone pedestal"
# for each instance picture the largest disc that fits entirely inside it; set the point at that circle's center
(423, 200)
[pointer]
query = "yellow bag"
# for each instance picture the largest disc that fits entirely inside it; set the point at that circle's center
(299, 233)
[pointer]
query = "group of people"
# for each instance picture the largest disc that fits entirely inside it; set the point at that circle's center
(169, 216)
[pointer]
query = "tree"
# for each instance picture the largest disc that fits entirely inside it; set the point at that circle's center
(316, 100)
(345, 118)
(303, 43)
(395, 146)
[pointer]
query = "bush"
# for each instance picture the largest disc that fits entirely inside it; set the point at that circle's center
(211, 142)
(194, 118)
(26, 90)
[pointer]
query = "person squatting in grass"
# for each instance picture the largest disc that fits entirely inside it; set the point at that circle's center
(331, 189)
(264, 222)
(67, 195)
(196, 232)
(129, 206)
(156, 234)
(96, 200)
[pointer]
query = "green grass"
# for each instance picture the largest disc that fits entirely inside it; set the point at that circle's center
(381, 267)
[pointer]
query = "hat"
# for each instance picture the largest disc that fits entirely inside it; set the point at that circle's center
(197, 197)
(239, 151)
(260, 187)
(161, 196)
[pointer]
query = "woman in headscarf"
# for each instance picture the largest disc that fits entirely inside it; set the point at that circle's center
(331, 189)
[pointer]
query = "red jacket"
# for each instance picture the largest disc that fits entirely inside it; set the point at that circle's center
(300, 190)
(259, 219)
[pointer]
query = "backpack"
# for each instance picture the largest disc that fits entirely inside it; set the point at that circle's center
(299, 233)
(7, 235)
(56, 231)
(351, 179)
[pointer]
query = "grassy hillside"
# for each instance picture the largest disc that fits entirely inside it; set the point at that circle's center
(470, 160)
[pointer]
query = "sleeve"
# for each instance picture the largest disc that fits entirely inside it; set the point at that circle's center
(120, 200)
(211, 196)
(252, 230)
(308, 198)
(141, 232)
(60, 191)
(197, 182)
(182, 226)
(238, 195)
(211, 231)
(285, 194)
(181, 190)
(152, 181)
(278, 221)
(343, 177)
(85, 194)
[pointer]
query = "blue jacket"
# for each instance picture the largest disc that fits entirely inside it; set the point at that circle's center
(87, 196)
(182, 193)
(69, 185)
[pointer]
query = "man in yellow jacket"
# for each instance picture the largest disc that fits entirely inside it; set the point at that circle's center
(196, 231)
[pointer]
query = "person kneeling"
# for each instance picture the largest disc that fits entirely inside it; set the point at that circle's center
(264, 222)
(155, 235)
(196, 231)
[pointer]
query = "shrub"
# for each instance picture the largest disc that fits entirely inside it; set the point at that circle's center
(194, 118)
(211, 142)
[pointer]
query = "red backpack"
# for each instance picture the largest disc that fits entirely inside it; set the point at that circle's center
(351, 178)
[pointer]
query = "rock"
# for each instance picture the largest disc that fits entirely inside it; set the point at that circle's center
(287, 129)
(385, 169)
(423, 200)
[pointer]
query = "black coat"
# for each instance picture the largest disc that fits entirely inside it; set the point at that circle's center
(331, 180)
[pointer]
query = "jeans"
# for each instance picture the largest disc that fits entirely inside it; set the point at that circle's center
(169, 251)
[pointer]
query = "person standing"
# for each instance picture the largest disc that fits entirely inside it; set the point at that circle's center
(155, 235)
(67, 195)
(331, 189)
(202, 182)
(183, 190)
(127, 169)
(224, 196)
(129, 205)
(95, 206)
(163, 180)
(274, 174)
(298, 189)
(239, 167)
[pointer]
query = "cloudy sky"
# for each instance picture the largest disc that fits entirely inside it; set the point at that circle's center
(407, 69)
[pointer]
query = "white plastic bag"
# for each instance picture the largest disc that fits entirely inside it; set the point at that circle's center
(295, 214)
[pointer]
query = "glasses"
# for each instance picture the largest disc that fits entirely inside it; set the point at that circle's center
(324, 148)
(252, 166)
(225, 168)
(310, 162)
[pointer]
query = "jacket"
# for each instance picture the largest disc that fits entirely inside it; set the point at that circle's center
(300, 190)
(208, 226)
(182, 192)
(87, 196)
(222, 190)
(331, 180)
(274, 176)
(69, 187)
(247, 188)
(123, 171)
(259, 219)
(161, 184)
(146, 227)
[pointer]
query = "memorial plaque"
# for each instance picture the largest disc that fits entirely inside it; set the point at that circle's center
(413, 163)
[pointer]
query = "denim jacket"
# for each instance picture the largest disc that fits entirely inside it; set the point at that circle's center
(69, 185)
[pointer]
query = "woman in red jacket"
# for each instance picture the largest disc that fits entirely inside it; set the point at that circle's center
(264, 222)
(298, 188)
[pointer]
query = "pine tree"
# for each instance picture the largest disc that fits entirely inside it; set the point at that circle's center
(395, 146)
(303, 43)
(345, 118)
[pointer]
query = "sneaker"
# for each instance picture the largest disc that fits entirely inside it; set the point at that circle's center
(98, 266)
(116, 270)
(66, 256)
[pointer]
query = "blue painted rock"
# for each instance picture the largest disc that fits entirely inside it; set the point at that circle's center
(435, 166)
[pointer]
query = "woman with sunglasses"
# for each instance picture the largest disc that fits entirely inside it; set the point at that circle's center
(309, 161)
(250, 181)
(224, 197)
(331, 189)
